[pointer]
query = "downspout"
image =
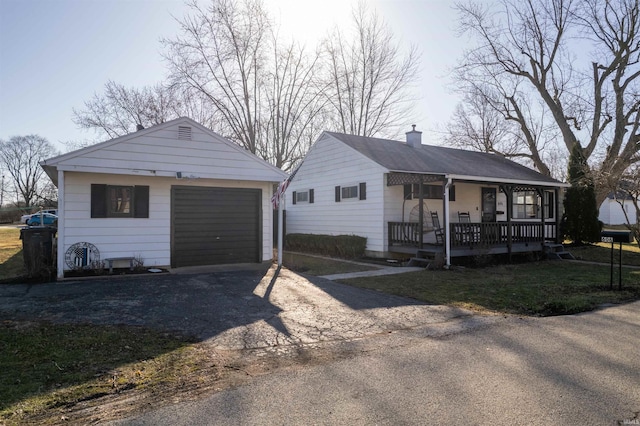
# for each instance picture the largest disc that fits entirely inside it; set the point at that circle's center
(280, 228)
(421, 212)
(61, 227)
(447, 228)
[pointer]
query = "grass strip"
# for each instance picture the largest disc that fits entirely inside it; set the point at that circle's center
(48, 366)
(536, 289)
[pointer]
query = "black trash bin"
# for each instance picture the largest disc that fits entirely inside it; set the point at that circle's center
(37, 249)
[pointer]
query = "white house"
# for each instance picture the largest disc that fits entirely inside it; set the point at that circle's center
(176, 194)
(377, 188)
(611, 212)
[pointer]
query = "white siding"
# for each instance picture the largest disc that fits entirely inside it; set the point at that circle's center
(328, 164)
(611, 212)
(158, 152)
(147, 238)
(468, 199)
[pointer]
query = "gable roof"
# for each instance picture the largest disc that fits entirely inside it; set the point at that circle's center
(164, 150)
(460, 164)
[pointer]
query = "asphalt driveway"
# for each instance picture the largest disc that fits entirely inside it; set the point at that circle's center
(244, 308)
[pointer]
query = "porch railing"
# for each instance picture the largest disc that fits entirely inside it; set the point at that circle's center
(404, 234)
(486, 233)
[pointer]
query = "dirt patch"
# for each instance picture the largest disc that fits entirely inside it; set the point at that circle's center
(213, 371)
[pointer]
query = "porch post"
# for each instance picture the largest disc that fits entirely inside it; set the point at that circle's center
(421, 212)
(540, 191)
(508, 192)
(556, 200)
(447, 228)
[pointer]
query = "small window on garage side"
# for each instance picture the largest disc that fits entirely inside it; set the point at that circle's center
(119, 201)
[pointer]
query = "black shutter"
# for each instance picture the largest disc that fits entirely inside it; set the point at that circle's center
(141, 201)
(311, 196)
(452, 193)
(294, 197)
(363, 190)
(98, 200)
(337, 194)
(407, 191)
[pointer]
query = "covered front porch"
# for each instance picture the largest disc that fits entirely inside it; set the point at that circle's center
(471, 239)
(493, 229)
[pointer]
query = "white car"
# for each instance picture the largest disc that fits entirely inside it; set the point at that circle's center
(25, 217)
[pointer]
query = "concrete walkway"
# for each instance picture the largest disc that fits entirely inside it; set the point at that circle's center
(373, 273)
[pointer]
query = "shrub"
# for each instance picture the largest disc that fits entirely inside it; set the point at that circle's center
(580, 221)
(344, 246)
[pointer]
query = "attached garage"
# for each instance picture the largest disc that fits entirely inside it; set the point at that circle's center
(215, 226)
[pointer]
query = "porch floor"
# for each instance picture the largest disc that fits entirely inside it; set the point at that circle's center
(468, 250)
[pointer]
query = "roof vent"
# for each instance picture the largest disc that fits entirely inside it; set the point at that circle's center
(184, 133)
(414, 137)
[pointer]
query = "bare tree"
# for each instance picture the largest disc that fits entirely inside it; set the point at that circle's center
(119, 110)
(294, 106)
(486, 121)
(481, 126)
(21, 156)
(221, 53)
(263, 91)
(368, 78)
(525, 52)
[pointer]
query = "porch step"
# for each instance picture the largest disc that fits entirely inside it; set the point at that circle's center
(420, 262)
(560, 255)
(423, 259)
(557, 251)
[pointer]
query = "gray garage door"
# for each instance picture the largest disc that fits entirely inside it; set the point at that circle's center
(213, 226)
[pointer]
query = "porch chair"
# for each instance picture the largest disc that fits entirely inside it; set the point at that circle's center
(437, 229)
(465, 234)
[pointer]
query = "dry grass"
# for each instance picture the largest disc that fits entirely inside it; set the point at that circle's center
(601, 252)
(11, 262)
(313, 265)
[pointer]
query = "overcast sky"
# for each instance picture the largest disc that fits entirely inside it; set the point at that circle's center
(55, 54)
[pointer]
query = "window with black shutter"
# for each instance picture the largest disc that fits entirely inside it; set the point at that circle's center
(363, 190)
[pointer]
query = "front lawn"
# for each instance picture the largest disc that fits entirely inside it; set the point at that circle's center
(45, 368)
(537, 288)
(601, 252)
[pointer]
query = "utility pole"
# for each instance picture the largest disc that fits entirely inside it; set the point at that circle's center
(2, 193)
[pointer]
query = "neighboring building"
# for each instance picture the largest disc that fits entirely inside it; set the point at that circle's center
(611, 212)
(176, 194)
(480, 203)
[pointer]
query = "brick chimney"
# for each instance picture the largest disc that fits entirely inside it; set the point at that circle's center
(414, 137)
